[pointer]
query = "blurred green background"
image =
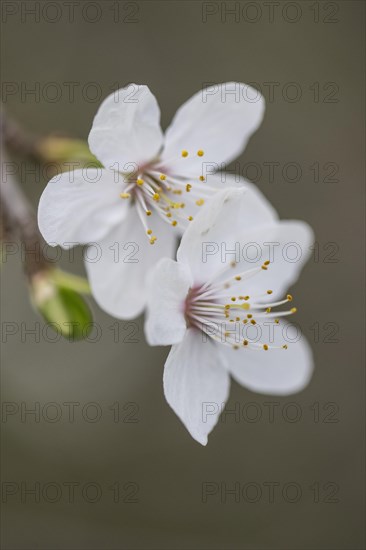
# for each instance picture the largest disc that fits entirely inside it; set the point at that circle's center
(175, 47)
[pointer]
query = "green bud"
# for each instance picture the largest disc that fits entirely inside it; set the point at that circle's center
(64, 309)
(61, 149)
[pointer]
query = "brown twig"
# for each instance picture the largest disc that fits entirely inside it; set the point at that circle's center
(17, 215)
(16, 138)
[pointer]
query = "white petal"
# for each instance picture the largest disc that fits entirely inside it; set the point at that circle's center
(261, 209)
(196, 384)
(126, 129)
(207, 242)
(216, 121)
(286, 244)
(276, 371)
(80, 206)
(168, 286)
(118, 282)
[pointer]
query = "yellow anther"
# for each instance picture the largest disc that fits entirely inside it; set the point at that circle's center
(190, 218)
(177, 191)
(245, 321)
(268, 310)
(152, 240)
(237, 318)
(264, 267)
(162, 177)
(168, 215)
(149, 231)
(139, 181)
(293, 309)
(233, 299)
(174, 223)
(226, 334)
(182, 205)
(249, 315)
(265, 347)
(245, 342)
(202, 178)
(253, 322)
(269, 291)
(227, 306)
(148, 212)
(184, 153)
(188, 187)
(238, 278)
(200, 153)
(277, 321)
(267, 262)
(200, 202)
(125, 195)
(246, 298)
(156, 196)
(289, 297)
(284, 347)
(235, 346)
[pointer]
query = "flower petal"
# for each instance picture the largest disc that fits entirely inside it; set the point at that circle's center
(286, 244)
(276, 371)
(207, 242)
(126, 129)
(201, 193)
(196, 384)
(218, 120)
(80, 207)
(168, 286)
(118, 265)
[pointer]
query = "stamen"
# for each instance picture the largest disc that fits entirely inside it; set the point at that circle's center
(207, 305)
(140, 213)
(153, 190)
(272, 304)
